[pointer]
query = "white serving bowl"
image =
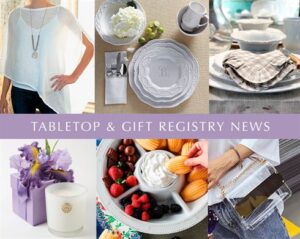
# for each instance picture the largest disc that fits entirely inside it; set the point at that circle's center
(164, 193)
(104, 25)
(254, 24)
(192, 213)
(200, 29)
(258, 41)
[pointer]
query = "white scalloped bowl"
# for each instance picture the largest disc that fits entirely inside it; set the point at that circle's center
(258, 41)
(192, 214)
(104, 26)
(254, 24)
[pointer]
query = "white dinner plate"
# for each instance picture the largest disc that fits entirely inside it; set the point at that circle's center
(233, 87)
(163, 72)
(193, 78)
(162, 102)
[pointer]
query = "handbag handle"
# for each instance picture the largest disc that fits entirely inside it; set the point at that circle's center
(256, 161)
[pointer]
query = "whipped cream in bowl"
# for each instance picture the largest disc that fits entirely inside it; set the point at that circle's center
(154, 177)
(154, 172)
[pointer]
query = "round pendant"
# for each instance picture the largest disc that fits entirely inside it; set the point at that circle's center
(35, 55)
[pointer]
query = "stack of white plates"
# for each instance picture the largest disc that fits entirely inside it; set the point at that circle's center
(220, 80)
(163, 73)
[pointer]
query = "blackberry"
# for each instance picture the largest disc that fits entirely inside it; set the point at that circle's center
(139, 192)
(125, 201)
(165, 209)
(138, 213)
(175, 208)
(156, 212)
(152, 201)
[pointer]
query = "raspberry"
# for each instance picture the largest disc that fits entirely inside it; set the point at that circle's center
(129, 210)
(136, 204)
(146, 206)
(134, 197)
(144, 198)
(145, 216)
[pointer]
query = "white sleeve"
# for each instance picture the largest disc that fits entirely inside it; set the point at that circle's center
(70, 21)
(9, 54)
(267, 148)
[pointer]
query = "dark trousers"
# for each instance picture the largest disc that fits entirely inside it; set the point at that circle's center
(27, 102)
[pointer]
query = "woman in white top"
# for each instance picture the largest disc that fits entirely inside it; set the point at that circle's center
(223, 156)
(47, 50)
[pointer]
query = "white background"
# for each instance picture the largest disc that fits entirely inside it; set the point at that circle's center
(83, 153)
(85, 86)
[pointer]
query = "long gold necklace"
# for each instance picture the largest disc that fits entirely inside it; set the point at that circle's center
(35, 46)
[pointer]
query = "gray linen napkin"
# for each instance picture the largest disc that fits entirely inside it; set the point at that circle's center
(256, 72)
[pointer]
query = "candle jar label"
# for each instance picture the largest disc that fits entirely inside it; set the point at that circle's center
(66, 208)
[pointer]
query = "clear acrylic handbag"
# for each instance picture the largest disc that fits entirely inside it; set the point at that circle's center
(266, 192)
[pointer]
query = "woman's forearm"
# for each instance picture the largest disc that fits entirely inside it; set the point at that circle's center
(86, 58)
(236, 155)
(218, 167)
(5, 87)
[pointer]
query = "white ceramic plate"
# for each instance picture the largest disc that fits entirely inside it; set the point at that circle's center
(233, 87)
(168, 102)
(163, 72)
(192, 80)
(192, 214)
(163, 102)
(193, 66)
(103, 22)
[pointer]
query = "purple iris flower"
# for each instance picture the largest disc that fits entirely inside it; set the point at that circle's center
(61, 159)
(29, 151)
(17, 162)
(35, 166)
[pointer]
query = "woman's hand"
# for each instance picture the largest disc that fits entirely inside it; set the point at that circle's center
(60, 81)
(3, 106)
(198, 155)
(220, 166)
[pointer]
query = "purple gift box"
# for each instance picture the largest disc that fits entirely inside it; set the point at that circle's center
(33, 208)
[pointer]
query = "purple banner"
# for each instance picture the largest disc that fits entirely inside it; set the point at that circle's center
(149, 126)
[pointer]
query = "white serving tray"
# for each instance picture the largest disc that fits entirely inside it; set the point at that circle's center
(193, 213)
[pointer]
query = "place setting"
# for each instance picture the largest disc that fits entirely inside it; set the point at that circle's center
(262, 59)
(162, 72)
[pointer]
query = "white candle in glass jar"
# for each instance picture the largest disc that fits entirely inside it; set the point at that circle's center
(66, 205)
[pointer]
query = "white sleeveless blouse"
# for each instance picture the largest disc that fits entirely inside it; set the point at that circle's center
(59, 52)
